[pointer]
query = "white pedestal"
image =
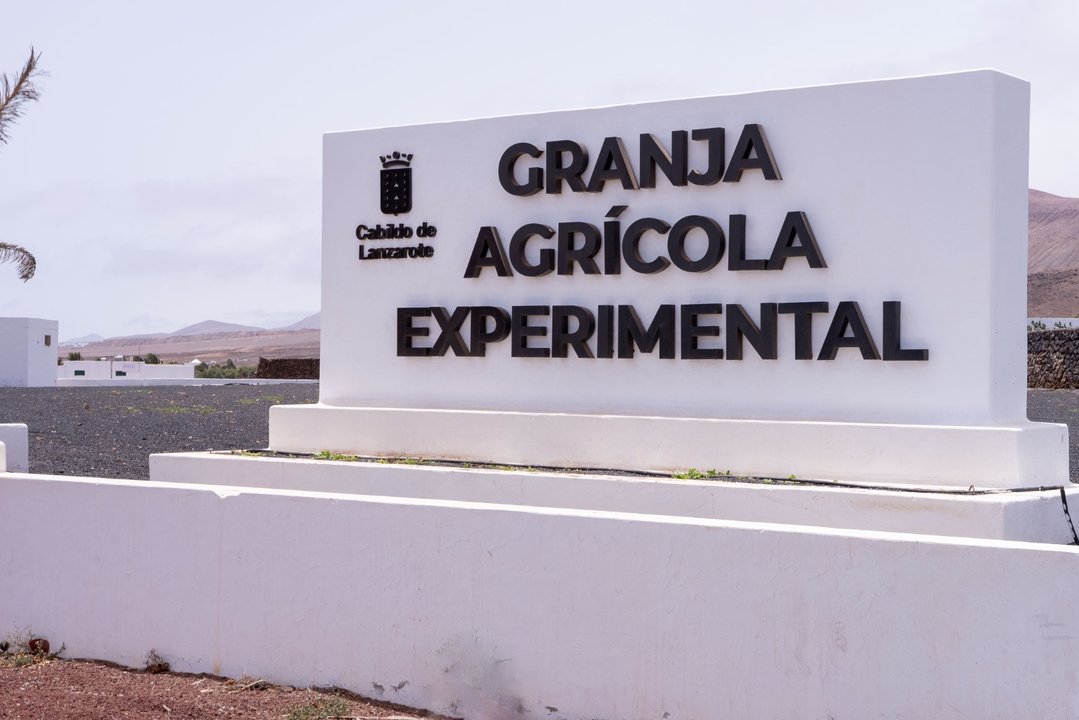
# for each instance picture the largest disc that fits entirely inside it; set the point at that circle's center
(1012, 456)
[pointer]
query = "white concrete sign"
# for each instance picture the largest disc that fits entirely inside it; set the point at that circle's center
(791, 257)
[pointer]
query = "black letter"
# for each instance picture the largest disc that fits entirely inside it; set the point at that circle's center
(848, 315)
(612, 164)
(406, 331)
(517, 250)
(676, 243)
(892, 341)
(795, 227)
(562, 338)
(584, 255)
(691, 349)
(631, 245)
(803, 325)
(653, 154)
(520, 331)
(752, 141)
(479, 333)
(740, 326)
(505, 170)
(450, 338)
(605, 336)
(630, 332)
(556, 172)
(714, 171)
(737, 258)
(487, 252)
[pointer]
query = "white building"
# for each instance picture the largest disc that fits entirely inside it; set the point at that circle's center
(122, 369)
(28, 352)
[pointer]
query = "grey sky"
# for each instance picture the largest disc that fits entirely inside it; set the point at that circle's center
(171, 171)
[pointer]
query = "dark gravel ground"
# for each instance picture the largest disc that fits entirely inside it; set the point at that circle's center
(1060, 406)
(110, 432)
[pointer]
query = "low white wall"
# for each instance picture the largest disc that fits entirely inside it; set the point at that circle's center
(16, 440)
(486, 611)
(1028, 516)
(123, 369)
(143, 382)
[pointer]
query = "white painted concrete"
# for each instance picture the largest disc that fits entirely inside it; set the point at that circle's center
(28, 352)
(1021, 455)
(1028, 516)
(947, 242)
(123, 370)
(15, 438)
(3, 457)
(143, 382)
(488, 611)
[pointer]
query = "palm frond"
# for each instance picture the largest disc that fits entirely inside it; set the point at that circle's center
(25, 263)
(16, 91)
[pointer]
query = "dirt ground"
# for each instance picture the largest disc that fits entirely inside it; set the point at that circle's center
(86, 690)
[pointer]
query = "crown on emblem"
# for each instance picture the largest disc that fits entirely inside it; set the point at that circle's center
(396, 159)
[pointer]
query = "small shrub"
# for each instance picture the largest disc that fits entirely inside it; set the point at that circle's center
(151, 359)
(228, 371)
(155, 663)
(73, 356)
(23, 649)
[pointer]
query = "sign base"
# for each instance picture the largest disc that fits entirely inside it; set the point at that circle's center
(1008, 456)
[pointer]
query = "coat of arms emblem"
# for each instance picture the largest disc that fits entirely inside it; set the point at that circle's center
(396, 183)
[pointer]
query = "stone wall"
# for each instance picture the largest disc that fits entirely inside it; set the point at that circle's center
(1053, 359)
(288, 368)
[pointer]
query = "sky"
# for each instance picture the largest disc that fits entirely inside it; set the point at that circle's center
(171, 171)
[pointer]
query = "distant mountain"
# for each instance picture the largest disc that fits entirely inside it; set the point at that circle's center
(311, 322)
(213, 327)
(1054, 233)
(1053, 256)
(85, 339)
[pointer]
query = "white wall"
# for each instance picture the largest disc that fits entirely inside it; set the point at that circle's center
(1036, 516)
(490, 611)
(16, 440)
(28, 352)
(134, 370)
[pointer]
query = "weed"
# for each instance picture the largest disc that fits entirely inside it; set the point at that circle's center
(23, 649)
(155, 663)
(248, 401)
(274, 399)
(327, 455)
(695, 474)
(319, 710)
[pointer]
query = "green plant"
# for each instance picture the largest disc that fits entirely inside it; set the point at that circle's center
(228, 371)
(1034, 325)
(695, 474)
(327, 455)
(319, 710)
(23, 648)
(15, 92)
(151, 359)
(74, 356)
